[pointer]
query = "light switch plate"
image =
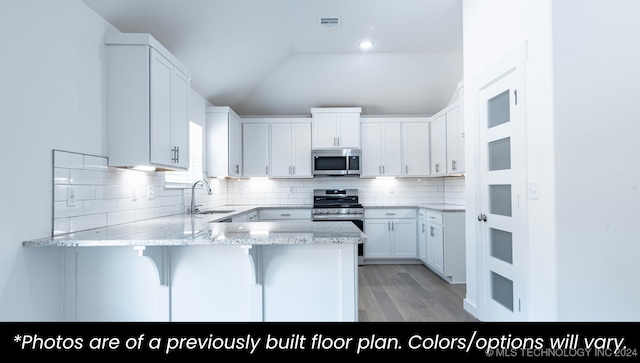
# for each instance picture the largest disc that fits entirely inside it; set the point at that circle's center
(533, 190)
(151, 192)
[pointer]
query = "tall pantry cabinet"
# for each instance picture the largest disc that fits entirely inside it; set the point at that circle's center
(147, 104)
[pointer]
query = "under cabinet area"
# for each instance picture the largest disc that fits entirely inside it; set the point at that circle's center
(147, 104)
(391, 235)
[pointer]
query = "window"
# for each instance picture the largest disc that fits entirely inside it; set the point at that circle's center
(195, 173)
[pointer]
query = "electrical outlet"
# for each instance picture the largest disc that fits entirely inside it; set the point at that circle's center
(134, 195)
(151, 192)
(71, 197)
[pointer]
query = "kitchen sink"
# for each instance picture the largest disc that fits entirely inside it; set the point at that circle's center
(219, 211)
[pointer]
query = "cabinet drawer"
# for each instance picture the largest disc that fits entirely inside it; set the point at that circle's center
(266, 214)
(434, 217)
(390, 213)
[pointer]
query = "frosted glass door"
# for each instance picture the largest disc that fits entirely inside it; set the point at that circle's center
(502, 183)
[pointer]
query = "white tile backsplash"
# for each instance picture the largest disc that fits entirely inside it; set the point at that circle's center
(105, 196)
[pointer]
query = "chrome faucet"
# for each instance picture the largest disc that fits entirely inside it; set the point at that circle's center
(193, 194)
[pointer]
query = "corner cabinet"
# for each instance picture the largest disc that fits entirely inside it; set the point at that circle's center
(336, 128)
(445, 244)
(447, 141)
(223, 142)
(147, 98)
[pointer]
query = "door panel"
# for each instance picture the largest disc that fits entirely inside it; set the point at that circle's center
(503, 206)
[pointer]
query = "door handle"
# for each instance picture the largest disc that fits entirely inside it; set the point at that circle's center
(431, 231)
(482, 217)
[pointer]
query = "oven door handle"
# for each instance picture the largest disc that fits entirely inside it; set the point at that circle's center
(350, 217)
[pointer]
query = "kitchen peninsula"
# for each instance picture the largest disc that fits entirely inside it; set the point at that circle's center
(201, 269)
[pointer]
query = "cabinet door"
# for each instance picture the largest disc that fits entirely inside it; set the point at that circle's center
(161, 73)
(255, 150)
(435, 247)
(281, 150)
(378, 238)
(325, 126)
(416, 153)
(348, 130)
(455, 142)
(391, 149)
(235, 146)
(422, 237)
(180, 119)
(439, 146)
(371, 162)
(301, 150)
(404, 238)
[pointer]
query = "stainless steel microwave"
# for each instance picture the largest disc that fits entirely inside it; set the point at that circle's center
(336, 162)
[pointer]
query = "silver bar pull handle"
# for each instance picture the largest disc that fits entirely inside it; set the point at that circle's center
(431, 232)
(453, 165)
(422, 227)
(294, 170)
(390, 214)
(285, 214)
(177, 154)
(266, 170)
(437, 168)
(406, 169)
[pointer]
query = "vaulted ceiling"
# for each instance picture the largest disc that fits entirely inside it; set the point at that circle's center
(272, 57)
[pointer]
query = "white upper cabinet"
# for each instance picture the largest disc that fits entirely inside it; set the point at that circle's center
(455, 141)
(336, 128)
(223, 142)
(291, 150)
(415, 149)
(147, 104)
(447, 141)
(255, 150)
(381, 149)
(439, 145)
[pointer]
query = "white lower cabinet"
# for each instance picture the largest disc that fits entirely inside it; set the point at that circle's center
(287, 214)
(391, 234)
(422, 235)
(246, 217)
(445, 245)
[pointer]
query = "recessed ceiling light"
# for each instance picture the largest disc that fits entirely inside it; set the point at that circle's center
(366, 44)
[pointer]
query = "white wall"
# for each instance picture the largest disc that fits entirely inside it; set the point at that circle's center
(582, 111)
(597, 124)
(50, 98)
(491, 29)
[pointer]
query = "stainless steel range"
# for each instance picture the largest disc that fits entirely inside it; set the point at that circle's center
(339, 205)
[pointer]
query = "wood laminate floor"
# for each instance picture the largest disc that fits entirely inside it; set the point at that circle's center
(395, 293)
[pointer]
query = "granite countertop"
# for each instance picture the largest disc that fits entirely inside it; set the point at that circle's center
(203, 229)
(440, 207)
